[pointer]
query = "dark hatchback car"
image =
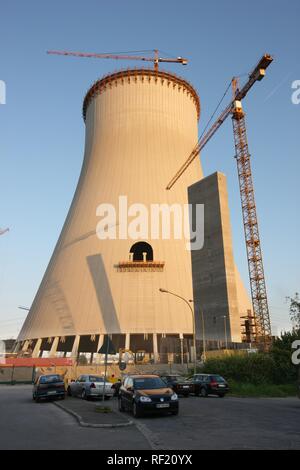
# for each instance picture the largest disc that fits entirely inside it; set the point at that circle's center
(48, 386)
(178, 384)
(146, 394)
(209, 384)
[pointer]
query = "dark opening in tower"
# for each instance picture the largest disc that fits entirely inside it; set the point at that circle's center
(142, 251)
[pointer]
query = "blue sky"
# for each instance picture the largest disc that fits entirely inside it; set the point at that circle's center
(42, 131)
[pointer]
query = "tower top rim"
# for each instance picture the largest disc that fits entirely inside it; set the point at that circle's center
(101, 84)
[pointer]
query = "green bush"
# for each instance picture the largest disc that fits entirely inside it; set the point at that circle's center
(274, 367)
(254, 368)
(281, 351)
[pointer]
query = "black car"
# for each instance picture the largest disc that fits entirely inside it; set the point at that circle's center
(147, 394)
(178, 384)
(48, 386)
(209, 384)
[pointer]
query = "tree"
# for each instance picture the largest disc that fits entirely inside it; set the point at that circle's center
(281, 352)
(295, 310)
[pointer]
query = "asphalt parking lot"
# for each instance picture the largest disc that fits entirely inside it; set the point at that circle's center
(203, 423)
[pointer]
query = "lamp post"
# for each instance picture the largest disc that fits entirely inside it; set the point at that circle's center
(165, 291)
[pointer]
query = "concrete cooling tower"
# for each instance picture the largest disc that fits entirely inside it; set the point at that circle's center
(140, 126)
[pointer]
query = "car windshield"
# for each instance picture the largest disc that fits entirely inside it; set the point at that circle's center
(218, 378)
(149, 383)
(50, 379)
(94, 378)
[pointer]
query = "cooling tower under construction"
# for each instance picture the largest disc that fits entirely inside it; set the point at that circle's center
(140, 126)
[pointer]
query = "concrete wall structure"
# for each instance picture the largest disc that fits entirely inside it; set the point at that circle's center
(218, 289)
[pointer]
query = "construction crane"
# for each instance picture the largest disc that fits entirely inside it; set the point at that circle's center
(156, 59)
(253, 245)
(3, 230)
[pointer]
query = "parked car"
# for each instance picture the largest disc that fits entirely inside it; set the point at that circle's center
(90, 386)
(209, 384)
(48, 386)
(147, 394)
(178, 384)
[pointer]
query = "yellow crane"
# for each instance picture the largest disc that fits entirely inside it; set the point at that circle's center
(242, 155)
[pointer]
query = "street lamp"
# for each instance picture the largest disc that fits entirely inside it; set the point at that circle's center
(165, 291)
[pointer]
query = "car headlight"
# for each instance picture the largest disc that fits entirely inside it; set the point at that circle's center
(145, 399)
(174, 397)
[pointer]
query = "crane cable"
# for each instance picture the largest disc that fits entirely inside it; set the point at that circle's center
(215, 111)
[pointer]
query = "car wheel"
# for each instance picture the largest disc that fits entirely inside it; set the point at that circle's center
(36, 399)
(186, 395)
(121, 406)
(107, 397)
(84, 395)
(221, 395)
(69, 392)
(203, 392)
(175, 412)
(136, 411)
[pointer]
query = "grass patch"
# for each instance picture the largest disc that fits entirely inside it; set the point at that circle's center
(243, 389)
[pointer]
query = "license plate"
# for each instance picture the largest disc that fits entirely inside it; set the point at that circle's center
(163, 405)
(222, 386)
(51, 393)
(185, 386)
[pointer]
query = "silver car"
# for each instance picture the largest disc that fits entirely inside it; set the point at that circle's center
(90, 386)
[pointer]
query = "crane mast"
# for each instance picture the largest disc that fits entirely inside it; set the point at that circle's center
(252, 239)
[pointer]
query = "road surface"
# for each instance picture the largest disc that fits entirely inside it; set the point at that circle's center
(203, 423)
